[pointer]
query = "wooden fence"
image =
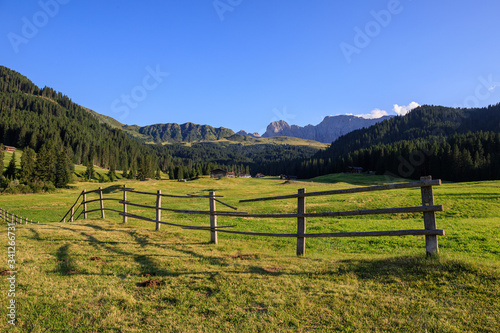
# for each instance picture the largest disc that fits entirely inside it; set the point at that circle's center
(13, 218)
(428, 208)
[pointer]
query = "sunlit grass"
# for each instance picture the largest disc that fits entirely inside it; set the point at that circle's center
(85, 275)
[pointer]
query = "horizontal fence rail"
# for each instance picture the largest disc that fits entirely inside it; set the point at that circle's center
(425, 184)
(352, 190)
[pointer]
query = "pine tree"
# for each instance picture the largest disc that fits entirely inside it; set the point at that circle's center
(112, 174)
(89, 173)
(11, 168)
(2, 155)
(27, 166)
(62, 169)
(45, 164)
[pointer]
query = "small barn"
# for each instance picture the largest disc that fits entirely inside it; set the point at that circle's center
(244, 175)
(259, 175)
(10, 149)
(353, 169)
(230, 174)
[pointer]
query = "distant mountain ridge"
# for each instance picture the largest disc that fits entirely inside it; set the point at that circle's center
(188, 132)
(254, 135)
(331, 128)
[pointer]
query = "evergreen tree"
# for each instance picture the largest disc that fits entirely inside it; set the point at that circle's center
(89, 173)
(2, 155)
(27, 165)
(180, 172)
(112, 174)
(11, 168)
(46, 164)
(62, 169)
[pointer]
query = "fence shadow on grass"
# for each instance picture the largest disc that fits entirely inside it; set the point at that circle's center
(386, 270)
(36, 234)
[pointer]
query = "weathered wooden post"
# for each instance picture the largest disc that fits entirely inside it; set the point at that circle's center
(124, 204)
(102, 203)
(213, 219)
(72, 213)
(158, 209)
(84, 204)
(431, 242)
(301, 223)
(26, 220)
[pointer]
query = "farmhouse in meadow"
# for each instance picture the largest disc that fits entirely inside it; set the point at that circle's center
(10, 149)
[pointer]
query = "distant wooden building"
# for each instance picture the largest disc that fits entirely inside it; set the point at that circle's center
(259, 175)
(244, 175)
(352, 169)
(230, 174)
(218, 173)
(10, 149)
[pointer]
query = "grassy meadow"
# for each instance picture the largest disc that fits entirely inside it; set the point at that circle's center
(100, 275)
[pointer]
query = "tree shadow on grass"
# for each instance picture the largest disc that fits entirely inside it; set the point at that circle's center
(63, 258)
(409, 269)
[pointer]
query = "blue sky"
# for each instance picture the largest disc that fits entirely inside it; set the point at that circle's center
(241, 64)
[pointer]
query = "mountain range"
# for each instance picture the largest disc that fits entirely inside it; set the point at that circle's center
(331, 128)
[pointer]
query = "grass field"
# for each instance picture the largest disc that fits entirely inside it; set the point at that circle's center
(99, 275)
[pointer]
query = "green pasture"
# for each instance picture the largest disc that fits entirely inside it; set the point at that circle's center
(102, 275)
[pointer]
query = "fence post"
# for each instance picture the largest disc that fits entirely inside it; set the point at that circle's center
(84, 204)
(102, 203)
(72, 213)
(431, 242)
(158, 210)
(124, 204)
(301, 223)
(213, 219)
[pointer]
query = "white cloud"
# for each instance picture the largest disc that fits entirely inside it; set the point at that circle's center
(492, 87)
(374, 114)
(402, 110)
